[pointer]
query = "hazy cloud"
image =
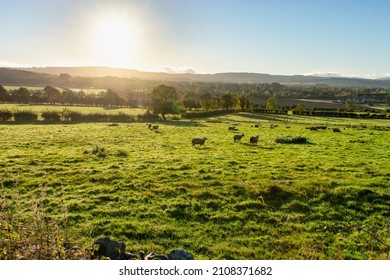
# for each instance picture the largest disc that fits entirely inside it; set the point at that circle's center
(169, 69)
(4, 63)
(344, 75)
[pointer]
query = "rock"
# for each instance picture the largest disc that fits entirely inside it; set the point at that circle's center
(111, 249)
(114, 250)
(155, 256)
(180, 254)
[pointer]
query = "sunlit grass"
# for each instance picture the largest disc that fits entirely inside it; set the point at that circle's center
(326, 199)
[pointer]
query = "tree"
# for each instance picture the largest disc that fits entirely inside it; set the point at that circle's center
(228, 100)
(300, 108)
(189, 100)
(208, 101)
(38, 97)
(4, 95)
(350, 105)
(272, 103)
(69, 97)
(164, 100)
(21, 95)
(244, 101)
(53, 94)
(112, 98)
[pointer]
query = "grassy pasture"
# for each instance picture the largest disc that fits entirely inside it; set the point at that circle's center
(326, 199)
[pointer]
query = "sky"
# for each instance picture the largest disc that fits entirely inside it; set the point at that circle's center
(285, 37)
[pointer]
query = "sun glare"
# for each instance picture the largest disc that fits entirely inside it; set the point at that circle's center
(114, 41)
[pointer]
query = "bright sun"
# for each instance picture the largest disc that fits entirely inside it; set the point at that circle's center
(114, 41)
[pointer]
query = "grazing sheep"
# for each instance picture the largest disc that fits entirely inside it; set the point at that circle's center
(149, 125)
(232, 128)
(199, 141)
(238, 137)
(336, 129)
(155, 127)
(314, 128)
(257, 125)
(254, 139)
(288, 126)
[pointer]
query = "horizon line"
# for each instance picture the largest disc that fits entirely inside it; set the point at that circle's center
(193, 71)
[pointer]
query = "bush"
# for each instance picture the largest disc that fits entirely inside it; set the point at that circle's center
(121, 117)
(5, 115)
(147, 117)
(75, 116)
(205, 114)
(100, 152)
(96, 117)
(51, 116)
(121, 153)
(291, 140)
(25, 116)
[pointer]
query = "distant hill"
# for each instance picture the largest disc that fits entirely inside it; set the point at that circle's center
(24, 78)
(45, 75)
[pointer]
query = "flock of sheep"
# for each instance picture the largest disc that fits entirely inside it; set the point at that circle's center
(253, 140)
(237, 137)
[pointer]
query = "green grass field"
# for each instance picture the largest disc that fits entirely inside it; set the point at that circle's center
(326, 199)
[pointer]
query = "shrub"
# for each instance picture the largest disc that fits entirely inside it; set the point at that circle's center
(121, 153)
(291, 140)
(147, 117)
(205, 114)
(99, 151)
(51, 116)
(5, 115)
(96, 117)
(25, 116)
(75, 116)
(121, 117)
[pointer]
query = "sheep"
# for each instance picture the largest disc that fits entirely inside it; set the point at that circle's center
(232, 128)
(149, 125)
(257, 125)
(199, 141)
(254, 139)
(336, 129)
(238, 137)
(155, 127)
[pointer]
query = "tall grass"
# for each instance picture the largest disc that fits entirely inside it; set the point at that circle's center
(36, 234)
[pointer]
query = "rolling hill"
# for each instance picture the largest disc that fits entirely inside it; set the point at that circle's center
(48, 75)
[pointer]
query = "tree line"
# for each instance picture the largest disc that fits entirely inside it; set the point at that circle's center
(53, 96)
(166, 99)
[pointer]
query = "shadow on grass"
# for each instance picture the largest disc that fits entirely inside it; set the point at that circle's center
(258, 146)
(183, 123)
(201, 148)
